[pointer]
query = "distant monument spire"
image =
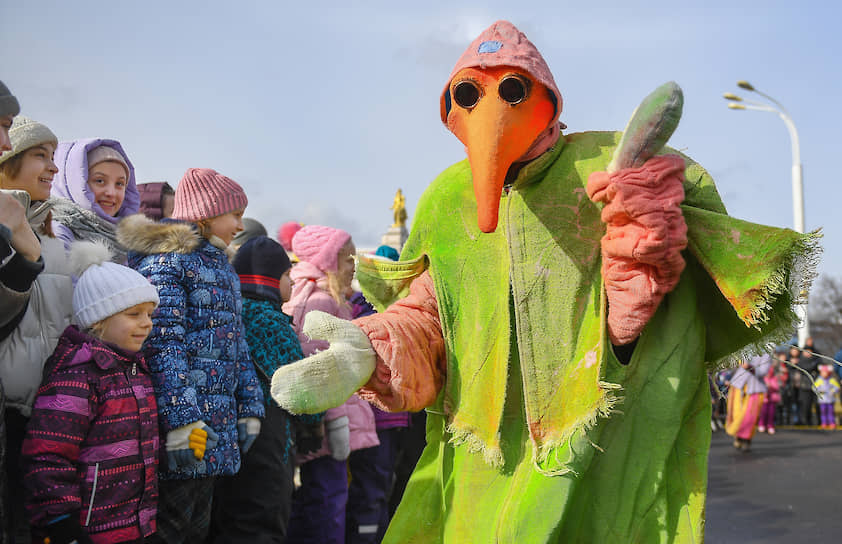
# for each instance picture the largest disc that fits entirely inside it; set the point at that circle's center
(397, 234)
(399, 208)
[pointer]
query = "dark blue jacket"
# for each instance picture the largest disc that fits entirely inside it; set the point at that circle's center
(197, 350)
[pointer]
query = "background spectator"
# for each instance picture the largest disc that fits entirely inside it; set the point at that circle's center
(156, 199)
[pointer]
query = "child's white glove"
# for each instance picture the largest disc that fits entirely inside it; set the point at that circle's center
(339, 438)
(328, 378)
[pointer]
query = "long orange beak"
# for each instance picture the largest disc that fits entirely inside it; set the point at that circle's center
(495, 131)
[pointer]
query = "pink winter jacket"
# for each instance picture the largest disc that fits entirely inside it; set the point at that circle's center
(360, 416)
(773, 386)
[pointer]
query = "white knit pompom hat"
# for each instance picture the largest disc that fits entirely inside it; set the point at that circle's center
(105, 288)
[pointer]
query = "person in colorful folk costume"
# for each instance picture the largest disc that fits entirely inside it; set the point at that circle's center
(559, 346)
(746, 396)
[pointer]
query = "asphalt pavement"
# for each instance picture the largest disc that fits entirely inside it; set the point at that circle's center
(786, 489)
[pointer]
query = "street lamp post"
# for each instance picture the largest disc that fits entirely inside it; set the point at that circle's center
(738, 103)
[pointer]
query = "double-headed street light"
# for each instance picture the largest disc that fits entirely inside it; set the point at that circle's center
(738, 103)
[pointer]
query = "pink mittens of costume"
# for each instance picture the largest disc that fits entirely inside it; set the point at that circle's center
(645, 234)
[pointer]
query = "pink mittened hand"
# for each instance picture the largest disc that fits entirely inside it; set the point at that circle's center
(645, 234)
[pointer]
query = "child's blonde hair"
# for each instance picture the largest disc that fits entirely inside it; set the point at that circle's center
(204, 227)
(98, 329)
(335, 288)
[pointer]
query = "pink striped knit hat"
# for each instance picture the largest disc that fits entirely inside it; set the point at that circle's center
(203, 193)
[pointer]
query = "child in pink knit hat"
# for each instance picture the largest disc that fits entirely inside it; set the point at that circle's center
(285, 235)
(321, 281)
(212, 201)
(204, 379)
(286, 232)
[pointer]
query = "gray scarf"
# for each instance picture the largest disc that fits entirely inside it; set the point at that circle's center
(87, 225)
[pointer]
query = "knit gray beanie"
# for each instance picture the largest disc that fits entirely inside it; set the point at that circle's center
(26, 133)
(8, 103)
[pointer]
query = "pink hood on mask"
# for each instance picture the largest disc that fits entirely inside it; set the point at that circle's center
(502, 44)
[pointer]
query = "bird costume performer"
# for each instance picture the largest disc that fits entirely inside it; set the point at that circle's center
(557, 306)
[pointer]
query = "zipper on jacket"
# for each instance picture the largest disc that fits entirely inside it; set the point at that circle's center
(128, 373)
(93, 493)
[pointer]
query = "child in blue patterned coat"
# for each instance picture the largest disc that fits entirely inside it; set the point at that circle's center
(204, 378)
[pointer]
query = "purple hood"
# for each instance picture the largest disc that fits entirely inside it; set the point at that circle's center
(71, 182)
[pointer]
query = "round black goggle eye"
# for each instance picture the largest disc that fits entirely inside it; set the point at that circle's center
(513, 89)
(466, 94)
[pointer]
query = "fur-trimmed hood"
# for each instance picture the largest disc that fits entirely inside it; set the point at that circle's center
(142, 235)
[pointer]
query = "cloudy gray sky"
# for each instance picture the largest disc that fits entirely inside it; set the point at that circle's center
(321, 110)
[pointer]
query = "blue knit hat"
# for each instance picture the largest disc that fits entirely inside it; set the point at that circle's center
(260, 263)
(389, 252)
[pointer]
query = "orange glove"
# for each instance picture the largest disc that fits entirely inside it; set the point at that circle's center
(645, 234)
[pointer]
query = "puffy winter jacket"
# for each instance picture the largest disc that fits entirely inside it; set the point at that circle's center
(17, 274)
(92, 443)
(358, 411)
(48, 313)
(197, 350)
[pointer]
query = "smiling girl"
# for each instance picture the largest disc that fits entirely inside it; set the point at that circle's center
(94, 189)
(27, 171)
(90, 456)
(197, 352)
(29, 165)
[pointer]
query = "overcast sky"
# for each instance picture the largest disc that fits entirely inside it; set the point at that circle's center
(323, 111)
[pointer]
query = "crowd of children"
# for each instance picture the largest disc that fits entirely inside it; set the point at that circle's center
(139, 333)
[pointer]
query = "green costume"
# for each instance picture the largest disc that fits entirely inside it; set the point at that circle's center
(540, 434)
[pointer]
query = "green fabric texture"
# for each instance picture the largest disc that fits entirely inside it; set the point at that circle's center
(371, 272)
(542, 433)
(774, 265)
(647, 484)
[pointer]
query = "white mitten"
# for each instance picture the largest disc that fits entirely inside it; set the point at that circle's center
(339, 438)
(328, 378)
